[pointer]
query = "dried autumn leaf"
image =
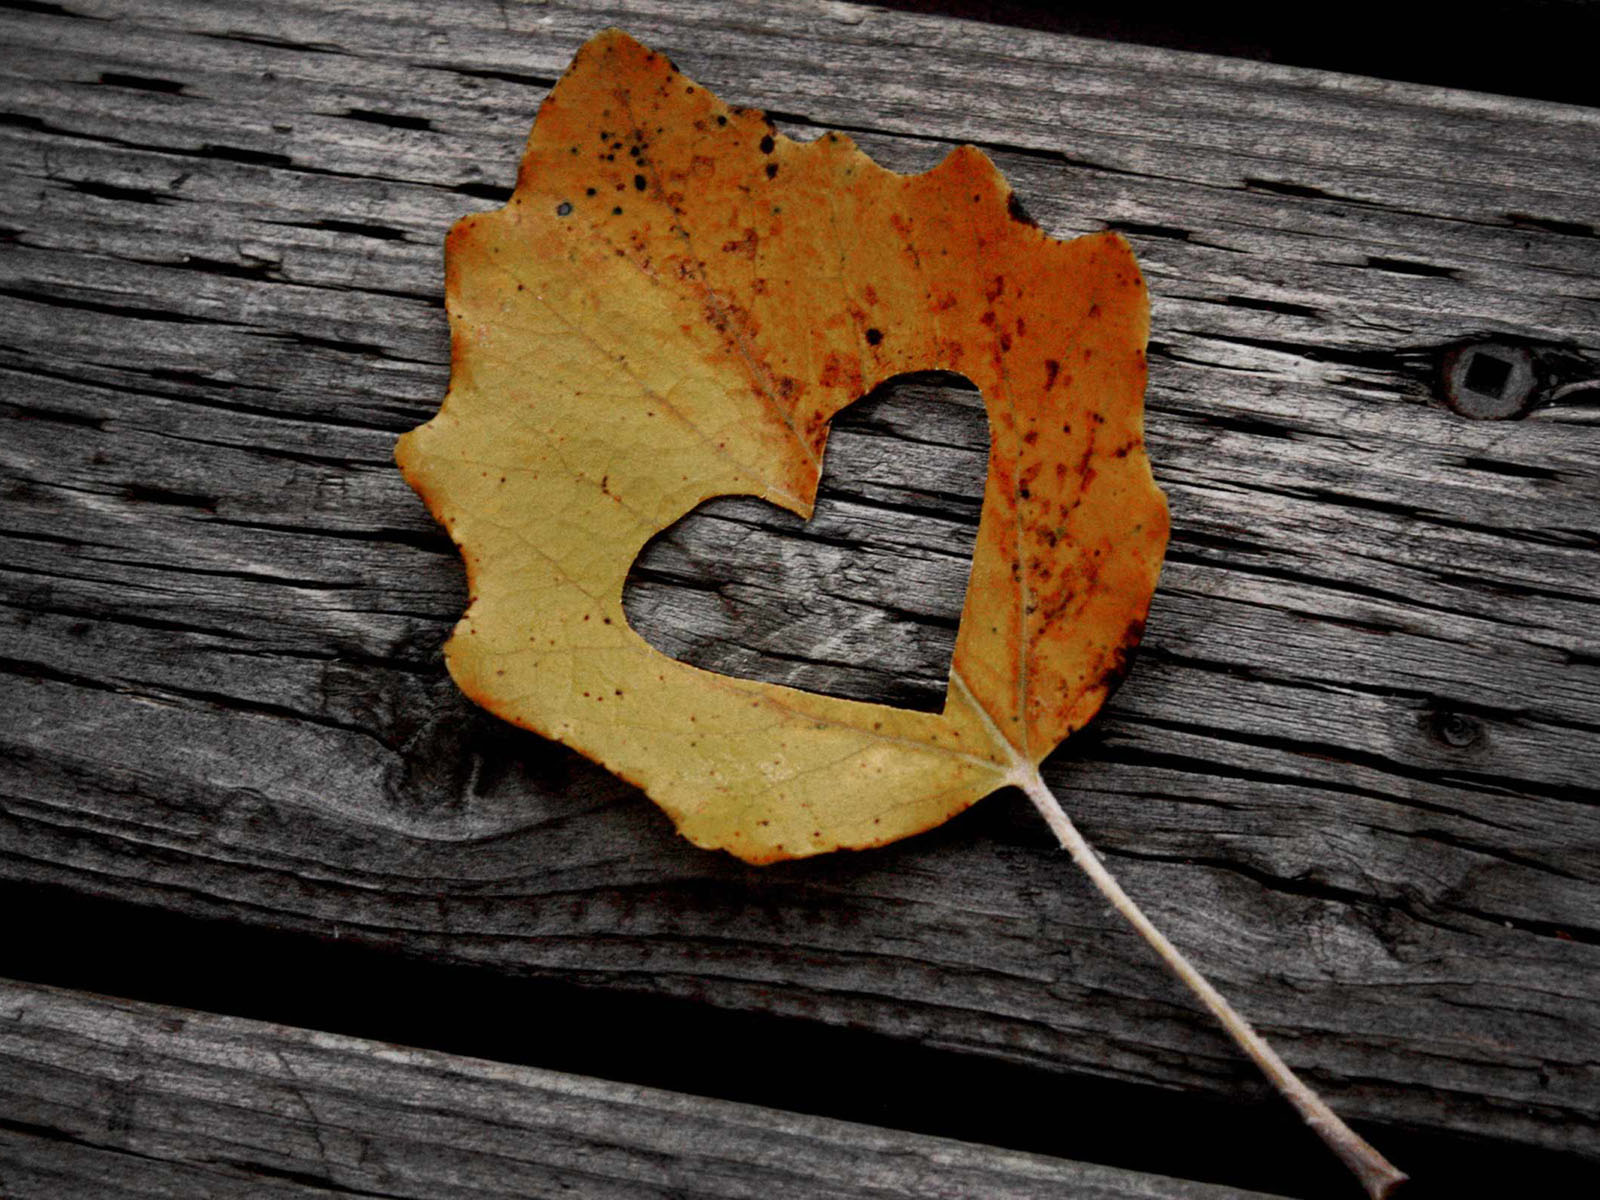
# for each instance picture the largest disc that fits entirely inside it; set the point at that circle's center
(672, 306)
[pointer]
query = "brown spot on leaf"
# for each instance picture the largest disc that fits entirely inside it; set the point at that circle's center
(745, 245)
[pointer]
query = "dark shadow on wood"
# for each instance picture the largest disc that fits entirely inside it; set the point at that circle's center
(1544, 51)
(69, 940)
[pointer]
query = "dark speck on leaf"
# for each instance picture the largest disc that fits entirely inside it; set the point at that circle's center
(638, 182)
(1018, 213)
(874, 336)
(588, 191)
(721, 120)
(563, 209)
(766, 144)
(772, 170)
(617, 211)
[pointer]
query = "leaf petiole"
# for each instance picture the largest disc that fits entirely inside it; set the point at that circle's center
(1377, 1174)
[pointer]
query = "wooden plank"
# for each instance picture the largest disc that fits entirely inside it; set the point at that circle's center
(1353, 775)
(106, 1098)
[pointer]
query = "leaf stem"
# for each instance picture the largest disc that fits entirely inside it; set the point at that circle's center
(1376, 1173)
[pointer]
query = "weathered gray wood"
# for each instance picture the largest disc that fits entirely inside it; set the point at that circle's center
(1354, 774)
(107, 1098)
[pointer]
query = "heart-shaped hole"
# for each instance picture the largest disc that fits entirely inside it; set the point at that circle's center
(861, 602)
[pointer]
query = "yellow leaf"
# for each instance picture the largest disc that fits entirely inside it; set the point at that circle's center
(672, 306)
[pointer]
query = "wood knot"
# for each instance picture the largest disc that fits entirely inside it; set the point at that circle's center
(1453, 729)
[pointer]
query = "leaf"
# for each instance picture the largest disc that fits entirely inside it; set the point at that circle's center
(672, 306)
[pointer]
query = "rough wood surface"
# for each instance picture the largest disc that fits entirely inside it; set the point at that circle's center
(104, 1098)
(1353, 774)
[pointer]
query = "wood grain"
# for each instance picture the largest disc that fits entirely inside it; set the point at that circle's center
(105, 1098)
(1353, 774)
